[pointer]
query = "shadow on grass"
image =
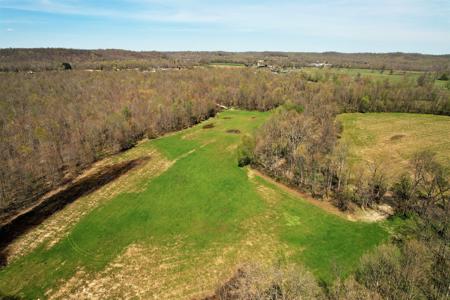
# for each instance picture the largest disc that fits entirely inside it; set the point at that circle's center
(9, 297)
(23, 223)
(234, 131)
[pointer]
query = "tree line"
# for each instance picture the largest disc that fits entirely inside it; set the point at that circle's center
(45, 59)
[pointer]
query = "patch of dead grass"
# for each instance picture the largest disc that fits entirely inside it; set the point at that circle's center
(208, 126)
(397, 137)
(231, 148)
(171, 272)
(391, 139)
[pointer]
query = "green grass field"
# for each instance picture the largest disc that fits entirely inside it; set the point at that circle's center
(182, 231)
(395, 76)
(391, 139)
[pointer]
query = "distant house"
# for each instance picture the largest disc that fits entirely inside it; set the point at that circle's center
(320, 65)
(261, 64)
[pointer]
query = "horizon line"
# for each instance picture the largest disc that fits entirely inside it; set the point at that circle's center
(223, 51)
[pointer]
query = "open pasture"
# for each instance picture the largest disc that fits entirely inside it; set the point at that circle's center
(391, 139)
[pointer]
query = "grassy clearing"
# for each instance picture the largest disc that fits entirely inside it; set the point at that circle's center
(395, 76)
(227, 65)
(182, 232)
(391, 139)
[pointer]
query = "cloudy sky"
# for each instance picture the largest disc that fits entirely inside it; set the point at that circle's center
(283, 25)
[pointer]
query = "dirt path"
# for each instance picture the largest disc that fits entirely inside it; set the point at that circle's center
(366, 215)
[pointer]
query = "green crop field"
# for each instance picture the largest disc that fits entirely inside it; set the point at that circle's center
(391, 139)
(180, 224)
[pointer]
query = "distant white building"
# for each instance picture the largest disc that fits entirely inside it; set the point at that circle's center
(261, 64)
(319, 65)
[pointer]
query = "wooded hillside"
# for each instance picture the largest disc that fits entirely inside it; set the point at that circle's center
(51, 59)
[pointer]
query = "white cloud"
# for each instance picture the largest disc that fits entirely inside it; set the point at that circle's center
(9, 29)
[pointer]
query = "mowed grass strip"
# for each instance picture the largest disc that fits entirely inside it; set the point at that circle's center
(391, 139)
(205, 200)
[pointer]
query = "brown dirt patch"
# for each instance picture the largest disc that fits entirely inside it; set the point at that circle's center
(227, 118)
(234, 131)
(397, 137)
(208, 126)
(380, 213)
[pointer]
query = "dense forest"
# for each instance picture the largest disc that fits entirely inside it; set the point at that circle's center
(111, 59)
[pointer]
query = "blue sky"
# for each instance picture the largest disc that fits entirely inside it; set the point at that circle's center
(248, 25)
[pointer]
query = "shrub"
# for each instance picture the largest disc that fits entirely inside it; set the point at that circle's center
(256, 281)
(378, 270)
(208, 126)
(350, 289)
(402, 192)
(245, 151)
(364, 104)
(403, 272)
(66, 66)
(127, 143)
(443, 77)
(288, 106)
(343, 198)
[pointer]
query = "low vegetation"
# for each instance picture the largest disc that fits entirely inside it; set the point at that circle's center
(255, 281)
(219, 216)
